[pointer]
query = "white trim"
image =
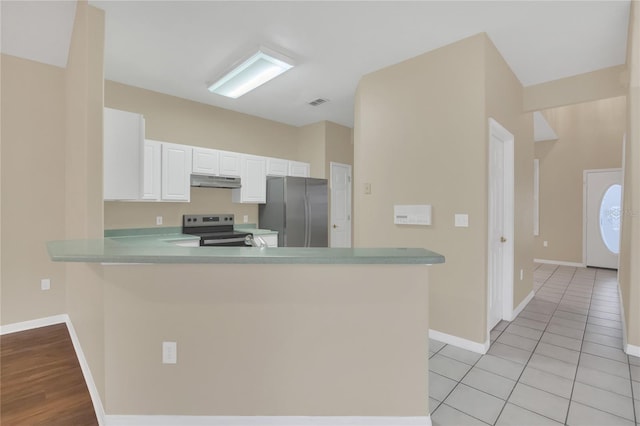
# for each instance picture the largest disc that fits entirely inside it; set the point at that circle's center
(459, 342)
(622, 320)
(31, 324)
(86, 372)
(116, 420)
(632, 350)
(521, 306)
(560, 263)
(536, 197)
(84, 366)
(508, 139)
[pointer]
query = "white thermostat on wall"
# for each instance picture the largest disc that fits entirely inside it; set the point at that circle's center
(417, 214)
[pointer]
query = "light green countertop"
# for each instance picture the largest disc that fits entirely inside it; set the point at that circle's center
(163, 248)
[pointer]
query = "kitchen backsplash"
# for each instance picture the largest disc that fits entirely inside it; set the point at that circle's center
(124, 214)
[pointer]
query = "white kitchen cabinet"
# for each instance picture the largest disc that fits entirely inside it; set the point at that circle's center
(254, 181)
(176, 172)
(298, 168)
(152, 170)
(230, 164)
(206, 161)
(277, 167)
(122, 155)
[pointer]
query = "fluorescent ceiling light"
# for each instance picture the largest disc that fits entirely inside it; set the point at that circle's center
(253, 72)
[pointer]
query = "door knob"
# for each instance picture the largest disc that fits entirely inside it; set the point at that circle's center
(335, 226)
(503, 240)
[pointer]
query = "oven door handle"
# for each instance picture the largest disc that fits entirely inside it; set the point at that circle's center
(215, 241)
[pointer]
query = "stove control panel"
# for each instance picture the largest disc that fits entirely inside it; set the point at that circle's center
(191, 220)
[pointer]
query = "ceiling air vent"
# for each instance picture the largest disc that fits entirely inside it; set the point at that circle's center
(318, 101)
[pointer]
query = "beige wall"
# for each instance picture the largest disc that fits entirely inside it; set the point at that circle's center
(33, 187)
(629, 273)
(339, 145)
(420, 138)
(311, 145)
(589, 137)
(503, 100)
(305, 340)
(605, 83)
(83, 181)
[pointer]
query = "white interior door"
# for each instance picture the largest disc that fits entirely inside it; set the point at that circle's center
(501, 199)
(603, 209)
(340, 181)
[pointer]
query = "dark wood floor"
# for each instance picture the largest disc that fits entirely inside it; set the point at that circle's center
(41, 382)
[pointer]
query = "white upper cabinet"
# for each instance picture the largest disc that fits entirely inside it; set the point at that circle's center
(277, 167)
(152, 172)
(122, 154)
(176, 172)
(230, 164)
(298, 168)
(254, 181)
(206, 161)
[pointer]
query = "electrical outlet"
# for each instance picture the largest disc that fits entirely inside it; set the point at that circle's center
(545, 243)
(158, 220)
(367, 188)
(245, 218)
(45, 284)
(169, 352)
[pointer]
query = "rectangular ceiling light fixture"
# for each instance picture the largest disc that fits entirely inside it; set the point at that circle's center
(255, 71)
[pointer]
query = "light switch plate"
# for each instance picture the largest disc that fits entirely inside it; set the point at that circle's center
(461, 220)
(169, 353)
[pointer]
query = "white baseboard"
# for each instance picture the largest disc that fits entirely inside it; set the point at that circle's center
(86, 372)
(521, 306)
(632, 350)
(115, 420)
(84, 366)
(459, 342)
(31, 324)
(560, 263)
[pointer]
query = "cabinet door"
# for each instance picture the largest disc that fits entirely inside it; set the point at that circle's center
(176, 172)
(277, 167)
(230, 164)
(254, 181)
(298, 168)
(122, 155)
(206, 161)
(152, 173)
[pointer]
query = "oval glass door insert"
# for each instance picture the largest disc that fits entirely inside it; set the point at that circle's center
(610, 218)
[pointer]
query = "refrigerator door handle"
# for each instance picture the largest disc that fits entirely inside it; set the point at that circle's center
(307, 222)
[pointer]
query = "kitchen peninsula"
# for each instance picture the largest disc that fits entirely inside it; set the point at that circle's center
(261, 332)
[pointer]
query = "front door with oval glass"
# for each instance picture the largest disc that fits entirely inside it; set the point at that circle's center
(603, 204)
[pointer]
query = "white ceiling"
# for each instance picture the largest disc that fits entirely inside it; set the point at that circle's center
(177, 47)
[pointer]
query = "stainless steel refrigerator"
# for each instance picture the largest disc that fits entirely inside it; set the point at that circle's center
(297, 208)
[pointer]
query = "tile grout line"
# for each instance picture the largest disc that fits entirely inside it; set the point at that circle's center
(573, 385)
(532, 352)
(536, 346)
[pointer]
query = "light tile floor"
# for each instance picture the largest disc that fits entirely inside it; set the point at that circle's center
(559, 362)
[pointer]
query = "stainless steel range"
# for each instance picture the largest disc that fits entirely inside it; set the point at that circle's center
(215, 230)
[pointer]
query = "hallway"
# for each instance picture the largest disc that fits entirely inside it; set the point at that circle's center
(559, 362)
